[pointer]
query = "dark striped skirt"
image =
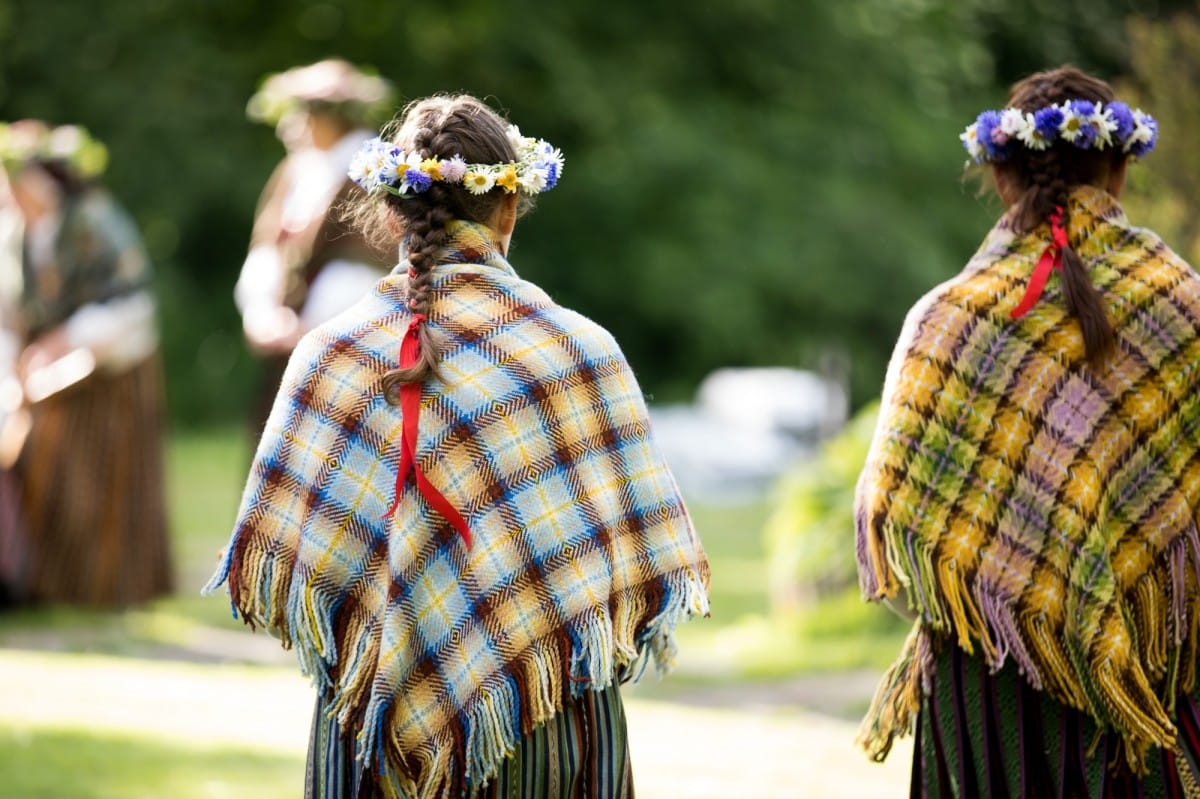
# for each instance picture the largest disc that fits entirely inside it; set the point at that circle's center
(14, 542)
(992, 735)
(93, 489)
(581, 753)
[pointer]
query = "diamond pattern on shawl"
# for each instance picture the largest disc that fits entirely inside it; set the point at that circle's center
(1076, 411)
(583, 558)
(1088, 572)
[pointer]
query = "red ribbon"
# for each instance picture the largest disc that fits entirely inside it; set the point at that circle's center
(1051, 259)
(410, 407)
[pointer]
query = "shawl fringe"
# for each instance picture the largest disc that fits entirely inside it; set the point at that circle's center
(599, 653)
(601, 649)
(1132, 690)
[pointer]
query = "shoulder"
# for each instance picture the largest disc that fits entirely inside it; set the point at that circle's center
(95, 222)
(364, 336)
(96, 206)
(532, 307)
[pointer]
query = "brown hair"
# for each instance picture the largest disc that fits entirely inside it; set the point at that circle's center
(1045, 178)
(443, 126)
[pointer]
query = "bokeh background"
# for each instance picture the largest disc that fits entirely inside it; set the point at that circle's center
(749, 183)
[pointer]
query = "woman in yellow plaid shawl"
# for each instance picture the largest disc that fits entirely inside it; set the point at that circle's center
(1032, 490)
(458, 516)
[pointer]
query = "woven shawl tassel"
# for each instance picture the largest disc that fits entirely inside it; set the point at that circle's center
(410, 408)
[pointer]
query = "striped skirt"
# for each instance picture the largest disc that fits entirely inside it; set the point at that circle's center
(981, 734)
(14, 542)
(93, 491)
(582, 753)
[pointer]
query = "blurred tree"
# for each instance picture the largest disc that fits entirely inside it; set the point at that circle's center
(747, 182)
(1166, 73)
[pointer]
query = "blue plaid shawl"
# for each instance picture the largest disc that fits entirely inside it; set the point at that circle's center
(583, 557)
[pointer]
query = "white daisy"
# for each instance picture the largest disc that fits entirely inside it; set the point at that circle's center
(1072, 123)
(1105, 126)
(479, 181)
(532, 180)
(1031, 137)
(970, 140)
(1012, 122)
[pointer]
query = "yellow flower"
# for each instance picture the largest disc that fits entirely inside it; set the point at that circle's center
(507, 179)
(432, 167)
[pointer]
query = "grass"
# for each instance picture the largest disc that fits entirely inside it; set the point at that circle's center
(82, 764)
(48, 756)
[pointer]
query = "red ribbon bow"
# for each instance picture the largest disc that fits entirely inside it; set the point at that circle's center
(410, 407)
(1051, 259)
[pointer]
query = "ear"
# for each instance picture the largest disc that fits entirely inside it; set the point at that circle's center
(506, 218)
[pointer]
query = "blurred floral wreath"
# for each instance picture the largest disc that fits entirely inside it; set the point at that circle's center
(333, 86)
(32, 140)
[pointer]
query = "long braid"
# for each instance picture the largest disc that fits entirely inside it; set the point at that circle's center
(426, 235)
(1049, 176)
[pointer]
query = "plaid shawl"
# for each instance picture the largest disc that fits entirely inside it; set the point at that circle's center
(583, 557)
(1032, 506)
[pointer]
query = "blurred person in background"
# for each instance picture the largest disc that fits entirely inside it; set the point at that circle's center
(457, 516)
(14, 547)
(1033, 487)
(305, 265)
(90, 448)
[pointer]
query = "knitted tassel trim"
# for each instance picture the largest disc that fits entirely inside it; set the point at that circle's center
(897, 699)
(1130, 688)
(593, 651)
(599, 651)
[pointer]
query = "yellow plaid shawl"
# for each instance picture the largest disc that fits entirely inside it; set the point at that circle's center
(583, 557)
(1031, 506)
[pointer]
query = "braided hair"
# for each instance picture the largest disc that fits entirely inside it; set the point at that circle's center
(1045, 178)
(440, 126)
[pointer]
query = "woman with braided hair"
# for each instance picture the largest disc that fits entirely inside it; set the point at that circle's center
(1032, 490)
(457, 515)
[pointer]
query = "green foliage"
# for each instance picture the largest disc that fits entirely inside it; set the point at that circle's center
(1162, 189)
(810, 533)
(747, 183)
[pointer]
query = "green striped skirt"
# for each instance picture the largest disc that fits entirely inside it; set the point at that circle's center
(581, 753)
(982, 734)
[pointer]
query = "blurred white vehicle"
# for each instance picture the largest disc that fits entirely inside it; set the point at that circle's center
(746, 427)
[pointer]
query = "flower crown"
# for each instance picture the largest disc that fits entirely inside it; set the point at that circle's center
(33, 140)
(334, 86)
(382, 166)
(995, 135)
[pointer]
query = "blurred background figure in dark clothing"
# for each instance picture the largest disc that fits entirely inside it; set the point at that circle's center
(86, 424)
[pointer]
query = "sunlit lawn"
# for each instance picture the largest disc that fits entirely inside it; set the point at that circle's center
(79, 764)
(46, 755)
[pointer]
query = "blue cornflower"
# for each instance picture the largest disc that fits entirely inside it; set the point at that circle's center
(1084, 108)
(1046, 122)
(985, 126)
(1123, 117)
(551, 175)
(1145, 135)
(1080, 127)
(416, 181)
